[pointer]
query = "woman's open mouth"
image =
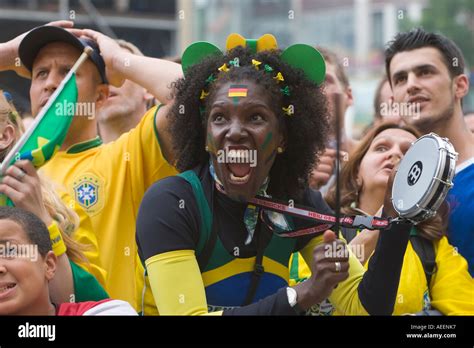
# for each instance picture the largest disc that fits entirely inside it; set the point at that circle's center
(238, 160)
(239, 173)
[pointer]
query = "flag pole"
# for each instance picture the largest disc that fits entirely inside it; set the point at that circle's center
(338, 113)
(19, 144)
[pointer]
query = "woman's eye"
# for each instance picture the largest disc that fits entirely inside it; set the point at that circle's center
(381, 148)
(41, 73)
(218, 118)
(256, 118)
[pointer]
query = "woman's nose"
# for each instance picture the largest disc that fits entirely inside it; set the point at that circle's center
(395, 157)
(236, 131)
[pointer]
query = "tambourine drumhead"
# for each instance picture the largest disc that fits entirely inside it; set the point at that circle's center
(423, 177)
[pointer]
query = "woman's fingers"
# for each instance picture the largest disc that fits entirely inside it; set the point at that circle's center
(27, 167)
(17, 173)
(11, 193)
(329, 236)
(13, 182)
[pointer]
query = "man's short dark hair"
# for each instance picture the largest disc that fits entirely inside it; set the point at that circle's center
(419, 38)
(35, 229)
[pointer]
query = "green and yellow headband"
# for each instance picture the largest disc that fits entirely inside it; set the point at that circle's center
(299, 56)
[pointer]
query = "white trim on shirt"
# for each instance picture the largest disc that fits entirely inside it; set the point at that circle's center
(112, 307)
(464, 165)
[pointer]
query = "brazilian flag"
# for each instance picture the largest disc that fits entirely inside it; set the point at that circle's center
(47, 133)
(50, 132)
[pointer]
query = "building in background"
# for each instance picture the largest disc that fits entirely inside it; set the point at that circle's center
(356, 29)
(150, 25)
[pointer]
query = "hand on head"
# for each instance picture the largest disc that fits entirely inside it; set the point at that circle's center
(110, 51)
(13, 45)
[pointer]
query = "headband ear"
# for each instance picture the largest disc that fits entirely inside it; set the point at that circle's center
(308, 59)
(264, 43)
(234, 40)
(197, 52)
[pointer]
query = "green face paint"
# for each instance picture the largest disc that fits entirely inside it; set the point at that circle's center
(210, 144)
(267, 140)
(272, 156)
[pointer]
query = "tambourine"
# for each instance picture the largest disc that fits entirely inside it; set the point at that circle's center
(424, 178)
(420, 186)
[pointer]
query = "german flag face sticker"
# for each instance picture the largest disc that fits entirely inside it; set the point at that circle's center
(236, 91)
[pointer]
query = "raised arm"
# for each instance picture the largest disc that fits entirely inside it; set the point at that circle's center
(155, 75)
(9, 58)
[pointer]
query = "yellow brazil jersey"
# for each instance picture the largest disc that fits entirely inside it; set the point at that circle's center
(451, 290)
(108, 182)
(84, 234)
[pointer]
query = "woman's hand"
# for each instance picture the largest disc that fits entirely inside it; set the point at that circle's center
(330, 267)
(388, 208)
(22, 185)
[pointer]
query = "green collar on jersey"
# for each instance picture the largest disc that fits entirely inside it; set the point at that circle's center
(85, 145)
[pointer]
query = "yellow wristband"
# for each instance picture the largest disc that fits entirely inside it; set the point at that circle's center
(57, 242)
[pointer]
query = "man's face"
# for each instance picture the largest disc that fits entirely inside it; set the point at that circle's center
(420, 78)
(333, 86)
(51, 66)
(24, 277)
(386, 100)
(124, 101)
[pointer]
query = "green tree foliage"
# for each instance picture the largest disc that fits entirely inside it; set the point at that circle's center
(454, 19)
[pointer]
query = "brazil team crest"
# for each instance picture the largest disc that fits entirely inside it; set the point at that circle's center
(88, 192)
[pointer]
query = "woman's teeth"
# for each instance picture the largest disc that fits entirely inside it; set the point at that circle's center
(238, 156)
(6, 287)
(238, 178)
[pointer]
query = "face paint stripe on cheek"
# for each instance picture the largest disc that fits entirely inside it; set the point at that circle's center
(267, 140)
(210, 144)
(272, 156)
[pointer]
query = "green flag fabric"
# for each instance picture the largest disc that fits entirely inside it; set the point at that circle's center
(49, 134)
(51, 131)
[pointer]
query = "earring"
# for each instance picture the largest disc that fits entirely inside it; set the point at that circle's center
(207, 148)
(279, 149)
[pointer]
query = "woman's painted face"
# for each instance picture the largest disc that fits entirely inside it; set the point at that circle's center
(386, 150)
(243, 135)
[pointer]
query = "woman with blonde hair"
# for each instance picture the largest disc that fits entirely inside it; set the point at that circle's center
(79, 275)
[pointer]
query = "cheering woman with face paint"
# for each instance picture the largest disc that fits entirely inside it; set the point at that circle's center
(206, 249)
